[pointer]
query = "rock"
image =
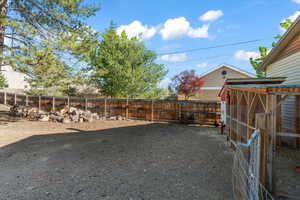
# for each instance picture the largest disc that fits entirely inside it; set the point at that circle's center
(95, 116)
(113, 118)
(65, 115)
(119, 117)
(80, 120)
(44, 118)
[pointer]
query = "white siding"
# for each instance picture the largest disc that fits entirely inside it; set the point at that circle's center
(288, 67)
(15, 80)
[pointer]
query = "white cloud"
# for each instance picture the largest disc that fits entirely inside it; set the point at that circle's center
(294, 16)
(211, 15)
(296, 1)
(179, 27)
(201, 32)
(174, 57)
(201, 65)
(137, 29)
(245, 55)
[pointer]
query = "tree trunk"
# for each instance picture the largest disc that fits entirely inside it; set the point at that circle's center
(3, 12)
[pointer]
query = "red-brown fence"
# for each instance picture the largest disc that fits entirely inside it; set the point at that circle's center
(144, 109)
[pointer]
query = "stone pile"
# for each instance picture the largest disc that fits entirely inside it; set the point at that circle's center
(65, 115)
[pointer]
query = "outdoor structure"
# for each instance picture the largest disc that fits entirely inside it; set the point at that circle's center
(284, 60)
(254, 122)
(16, 81)
(215, 79)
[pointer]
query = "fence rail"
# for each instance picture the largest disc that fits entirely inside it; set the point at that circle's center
(144, 109)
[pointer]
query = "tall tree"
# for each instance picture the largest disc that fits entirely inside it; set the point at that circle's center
(187, 83)
(48, 38)
(263, 51)
(124, 68)
(40, 18)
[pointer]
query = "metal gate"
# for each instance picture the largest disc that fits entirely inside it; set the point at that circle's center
(246, 163)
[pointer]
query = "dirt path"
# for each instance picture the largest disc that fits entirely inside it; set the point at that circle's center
(113, 160)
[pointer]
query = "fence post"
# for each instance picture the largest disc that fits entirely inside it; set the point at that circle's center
(86, 104)
(15, 99)
(179, 111)
(5, 100)
(152, 110)
(126, 108)
(104, 108)
(39, 103)
(53, 104)
(26, 100)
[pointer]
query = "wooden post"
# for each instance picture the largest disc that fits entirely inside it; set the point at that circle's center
(231, 131)
(15, 99)
(239, 117)
(5, 98)
(278, 121)
(271, 105)
(26, 100)
(86, 104)
(53, 104)
(39, 103)
(297, 121)
(267, 125)
(152, 110)
(126, 114)
(105, 108)
(179, 111)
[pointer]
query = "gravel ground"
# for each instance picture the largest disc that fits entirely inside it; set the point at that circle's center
(113, 160)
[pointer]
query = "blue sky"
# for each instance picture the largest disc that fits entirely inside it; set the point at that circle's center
(171, 26)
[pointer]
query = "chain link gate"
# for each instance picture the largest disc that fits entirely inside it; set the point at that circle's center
(246, 184)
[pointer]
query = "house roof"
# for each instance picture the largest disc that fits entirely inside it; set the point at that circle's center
(230, 67)
(281, 44)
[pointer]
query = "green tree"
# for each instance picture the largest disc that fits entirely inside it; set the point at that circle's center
(256, 62)
(48, 75)
(48, 39)
(2, 81)
(22, 19)
(124, 68)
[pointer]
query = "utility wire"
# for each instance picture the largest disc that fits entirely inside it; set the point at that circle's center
(211, 47)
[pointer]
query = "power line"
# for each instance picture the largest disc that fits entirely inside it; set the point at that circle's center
(211, 47)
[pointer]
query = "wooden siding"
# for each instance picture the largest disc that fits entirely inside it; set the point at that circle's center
(292, 48)
(288, 67)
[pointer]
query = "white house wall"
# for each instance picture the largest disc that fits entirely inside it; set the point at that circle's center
(288, 67)
(15, 80)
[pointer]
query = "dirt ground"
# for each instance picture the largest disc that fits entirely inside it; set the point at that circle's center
(113, 160)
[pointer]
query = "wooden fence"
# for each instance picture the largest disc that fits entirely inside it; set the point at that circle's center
(144, 109)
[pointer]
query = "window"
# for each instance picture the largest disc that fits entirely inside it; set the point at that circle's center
(224, 73)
